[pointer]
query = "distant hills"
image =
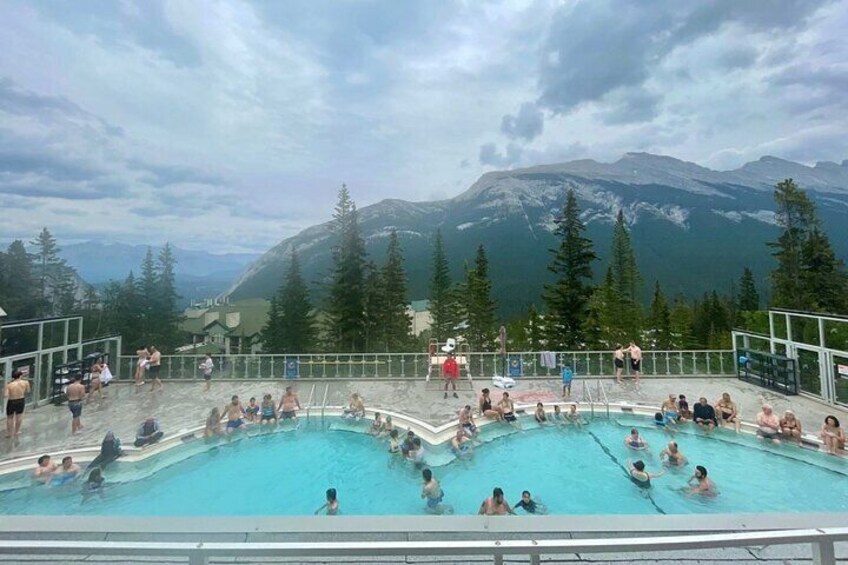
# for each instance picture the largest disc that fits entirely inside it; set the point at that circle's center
(693, 228)
(199, 274)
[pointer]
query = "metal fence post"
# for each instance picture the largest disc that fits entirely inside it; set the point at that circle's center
(198, 557)
(824, 553)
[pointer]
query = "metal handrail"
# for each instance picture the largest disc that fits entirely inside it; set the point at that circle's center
(602, 395)
(324, 402)
(587, 393)
(309, 402)
(821, 541)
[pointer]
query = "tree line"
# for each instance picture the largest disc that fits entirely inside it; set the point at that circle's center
(365, 305)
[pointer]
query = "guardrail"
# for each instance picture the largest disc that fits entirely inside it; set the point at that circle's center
(416, 365)
(198, 553)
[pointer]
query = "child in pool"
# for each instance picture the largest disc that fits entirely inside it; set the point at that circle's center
(332, 504)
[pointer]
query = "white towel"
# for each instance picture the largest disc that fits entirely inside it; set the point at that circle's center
(548, 359)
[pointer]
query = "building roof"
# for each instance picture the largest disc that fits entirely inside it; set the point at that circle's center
(252, 315)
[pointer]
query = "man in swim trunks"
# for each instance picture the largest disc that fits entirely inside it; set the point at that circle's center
(507, 408)
(495, 505)
(44, 470)
(234, 411)
(618, 360)
(466, 421)
(673, 455)
(635, 360)
(433, 495)
(66, 473)
(289, 405)
(15, 392)
(76, 394)
(669, 409)
(155, 364)
(726, 408)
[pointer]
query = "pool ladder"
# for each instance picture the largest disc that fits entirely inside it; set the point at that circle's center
(309, 402)
(599, 397)
(324, 402)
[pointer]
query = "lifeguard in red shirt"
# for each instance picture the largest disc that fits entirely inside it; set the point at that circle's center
(450, 372)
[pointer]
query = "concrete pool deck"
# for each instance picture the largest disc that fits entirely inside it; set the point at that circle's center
(183, 405)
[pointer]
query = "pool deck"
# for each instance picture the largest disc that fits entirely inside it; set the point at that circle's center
(183, 405)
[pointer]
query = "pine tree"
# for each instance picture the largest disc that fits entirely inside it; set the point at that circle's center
(680, 321)
(443, 305)
(167, 315)
(625, 280)
(147, 303)
(346, 308)
(297, 325)
(18, 283)
(823, 276)
(660, 320)
(272, 333)
(566, 299)
(797, 216)
(64, 291)
(535, 330)
(374, 297)
(397, 323)
(749, 298)
(122, 312)
(48, 270)
(479, 305)
(602, 327)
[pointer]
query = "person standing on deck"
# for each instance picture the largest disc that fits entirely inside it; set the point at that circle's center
(155, 366)
(450, 372)
(618, 361)
(635, 360)
(15, 393)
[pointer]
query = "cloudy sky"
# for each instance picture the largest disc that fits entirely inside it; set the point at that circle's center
(229, 125)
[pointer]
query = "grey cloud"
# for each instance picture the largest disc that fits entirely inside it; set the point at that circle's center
(162, 175)
(490, 155)
(739, 57)
(594, 48)
(635, 105)
(43, 163)
(526, 124)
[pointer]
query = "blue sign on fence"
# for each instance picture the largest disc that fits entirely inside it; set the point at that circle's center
(292, 369)
(514, 363)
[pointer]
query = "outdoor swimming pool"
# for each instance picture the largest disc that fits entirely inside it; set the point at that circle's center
(573, 471)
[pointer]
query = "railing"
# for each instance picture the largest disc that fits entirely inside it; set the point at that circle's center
(309, 402)
(416, 365)
(587, 395)
(324, 402)
(602, 396)
(198, 553)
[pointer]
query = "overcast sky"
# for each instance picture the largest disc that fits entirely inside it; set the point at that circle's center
(229, 125)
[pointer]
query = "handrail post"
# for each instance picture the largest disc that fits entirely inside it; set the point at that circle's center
(198, 557)
(824, 552)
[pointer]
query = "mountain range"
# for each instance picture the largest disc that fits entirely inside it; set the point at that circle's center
(694, 229)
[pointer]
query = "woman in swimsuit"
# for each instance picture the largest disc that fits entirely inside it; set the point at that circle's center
(486, 408)
(539, 415)
(213, 424)
(790, 427)
(728, 412)
(833, 436)
(700, 484)
(94, 384)
(672, 455)
(140, 366)
(639, 475)
(252, 410)
(267, 414)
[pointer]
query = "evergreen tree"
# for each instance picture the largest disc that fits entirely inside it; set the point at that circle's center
(602, 325)
(823, 277)
(346, 308)
(48, 269)
(297, 325)
(64, 291)
(397, 323)
(147, 289)
(660, 320)
(443, 305)
(566, 299)
(749, 298)
(167, 314)
(535, 330)
(796, 214)
(680, 321)
(625, 280)
(272, 333)
(374, 321)
(711, 322)
(122, 312)
(480, 307)
(18, 283)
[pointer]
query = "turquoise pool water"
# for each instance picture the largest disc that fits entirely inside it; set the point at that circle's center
(572, 471)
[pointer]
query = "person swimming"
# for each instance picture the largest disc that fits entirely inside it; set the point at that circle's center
(433, 495)
(529, 505)
(394, 444)
(700, 484)
(672, 455)
(495, 505)
(634, 440)
(332, 504)
(639, 475)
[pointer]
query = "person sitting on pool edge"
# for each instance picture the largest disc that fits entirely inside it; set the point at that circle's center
(669, 409)
(495, 505)
(355, 409)
(683, 408)
(213, 424)
(148, 433)
(251, 412)
(234, 411)
(728, 411)
(634, 440)
(110, 449)
(790, 427)
(639, 475)
(466, 421)
(704, 415)
(377, 426)
(573, 416)
(832, 436)
(332, 504)
(529, 505)
(539, 415)
(700, 484)
(267, 412)
(768, 424)
(507, 408)
(485, 406)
